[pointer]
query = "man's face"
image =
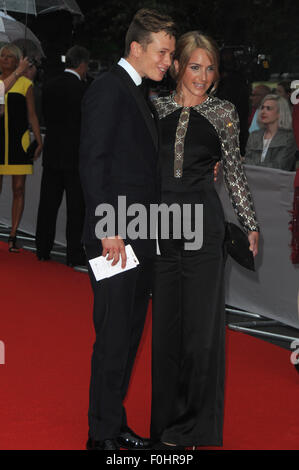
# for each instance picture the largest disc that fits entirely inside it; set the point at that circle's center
(257, 96)
(154, 60)
(83, 69)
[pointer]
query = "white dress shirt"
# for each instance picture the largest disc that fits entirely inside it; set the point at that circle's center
(73, 72)
(131, 71)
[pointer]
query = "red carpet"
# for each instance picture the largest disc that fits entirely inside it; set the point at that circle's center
(46, 327)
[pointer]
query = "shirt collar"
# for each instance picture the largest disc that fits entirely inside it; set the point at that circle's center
(131, 71)
(73, 72)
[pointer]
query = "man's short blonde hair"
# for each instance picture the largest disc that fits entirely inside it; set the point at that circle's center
(143, 24)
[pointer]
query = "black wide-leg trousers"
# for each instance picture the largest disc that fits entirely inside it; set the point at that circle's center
(120, 307)
(188, 349)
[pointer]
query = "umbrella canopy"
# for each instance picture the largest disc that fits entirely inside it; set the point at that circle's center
(35, 7)
(14, 31)
(4, 15)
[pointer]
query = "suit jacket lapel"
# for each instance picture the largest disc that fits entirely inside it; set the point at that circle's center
(141, 102)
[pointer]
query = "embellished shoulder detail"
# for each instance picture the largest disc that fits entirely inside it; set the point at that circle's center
(223, 116)
(165, 105)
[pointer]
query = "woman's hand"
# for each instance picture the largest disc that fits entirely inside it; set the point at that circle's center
(37, 152)
(253, 238)
(23, 65)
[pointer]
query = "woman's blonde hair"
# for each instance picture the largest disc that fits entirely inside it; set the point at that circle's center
(188, 43)
(283, 108)
(13, 49)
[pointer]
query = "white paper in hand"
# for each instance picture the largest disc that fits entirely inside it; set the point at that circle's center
(102, 268)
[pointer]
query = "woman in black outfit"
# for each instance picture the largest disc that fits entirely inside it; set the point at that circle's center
(197, 130)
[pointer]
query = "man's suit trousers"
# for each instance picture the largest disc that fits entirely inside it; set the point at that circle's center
(54, 183)
(120, 307)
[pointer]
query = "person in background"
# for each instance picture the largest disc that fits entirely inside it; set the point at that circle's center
(14, 132)
(9, 81)
(284, 89)
(274, 144)
(256, 97)
(33, 73)
(61, 105)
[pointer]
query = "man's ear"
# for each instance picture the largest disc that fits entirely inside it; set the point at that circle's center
(135, 49)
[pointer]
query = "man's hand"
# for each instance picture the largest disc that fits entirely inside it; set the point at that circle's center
(253, 238)
(114, 247)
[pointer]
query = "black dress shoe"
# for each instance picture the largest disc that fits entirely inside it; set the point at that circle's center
(129, 440)
(107, 444)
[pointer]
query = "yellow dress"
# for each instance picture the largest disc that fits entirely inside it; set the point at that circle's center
(14, 132)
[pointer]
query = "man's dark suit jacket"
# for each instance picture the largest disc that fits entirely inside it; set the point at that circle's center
(118, 152)
(61, 102)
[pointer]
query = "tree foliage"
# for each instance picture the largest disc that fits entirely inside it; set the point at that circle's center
(269, 25)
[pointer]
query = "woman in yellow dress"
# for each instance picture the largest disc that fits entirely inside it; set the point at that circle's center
(14, 134)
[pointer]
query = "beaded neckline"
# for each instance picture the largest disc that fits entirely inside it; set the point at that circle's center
(173, 94)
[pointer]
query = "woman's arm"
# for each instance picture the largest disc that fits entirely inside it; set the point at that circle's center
(234, 176)
(11, 79)
(236, 181)
(32, 117)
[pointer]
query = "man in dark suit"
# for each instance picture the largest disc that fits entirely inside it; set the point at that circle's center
(61, 102)
(118, 157)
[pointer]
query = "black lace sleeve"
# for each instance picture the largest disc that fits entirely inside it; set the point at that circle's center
(234, 176)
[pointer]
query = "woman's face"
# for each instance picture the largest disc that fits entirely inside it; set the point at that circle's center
(269, 112)
(8, 62)
(198, 77)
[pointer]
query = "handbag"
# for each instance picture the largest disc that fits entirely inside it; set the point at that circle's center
(31, 151)
(237, 246)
